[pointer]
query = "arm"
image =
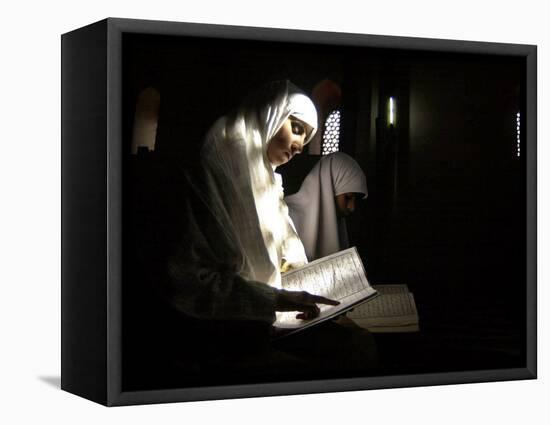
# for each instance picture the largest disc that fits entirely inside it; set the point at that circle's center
(206, 293)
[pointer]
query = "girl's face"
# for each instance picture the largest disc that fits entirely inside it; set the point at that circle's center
(287, 142)
(345, 203)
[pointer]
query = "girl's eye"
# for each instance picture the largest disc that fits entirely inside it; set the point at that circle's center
(298, 128)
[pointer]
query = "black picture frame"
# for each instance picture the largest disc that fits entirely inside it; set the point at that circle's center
(92, 215)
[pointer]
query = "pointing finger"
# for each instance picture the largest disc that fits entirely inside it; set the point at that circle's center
(322, 300)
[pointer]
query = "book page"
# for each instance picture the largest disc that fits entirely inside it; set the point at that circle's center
(340, 276)
(394, 306)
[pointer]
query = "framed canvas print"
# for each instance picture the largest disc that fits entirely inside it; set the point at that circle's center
(252, 212)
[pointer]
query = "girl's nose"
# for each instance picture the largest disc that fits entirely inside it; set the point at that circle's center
(296, 148)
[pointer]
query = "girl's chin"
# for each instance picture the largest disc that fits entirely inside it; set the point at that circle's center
(280, 161)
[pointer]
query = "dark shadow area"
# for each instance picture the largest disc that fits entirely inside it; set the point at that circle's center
(445, 213)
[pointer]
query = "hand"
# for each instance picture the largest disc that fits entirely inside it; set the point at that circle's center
(304, 302)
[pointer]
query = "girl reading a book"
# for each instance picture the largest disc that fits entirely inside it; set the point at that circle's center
(238, 234)
(224, 278)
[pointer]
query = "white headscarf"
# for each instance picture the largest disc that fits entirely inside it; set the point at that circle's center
(313, 207)
(243, 191)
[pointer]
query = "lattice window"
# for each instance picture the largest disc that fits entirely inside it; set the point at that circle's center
(518, 138)
(331, 136)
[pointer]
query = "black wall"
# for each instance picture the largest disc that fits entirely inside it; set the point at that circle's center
(446, 206)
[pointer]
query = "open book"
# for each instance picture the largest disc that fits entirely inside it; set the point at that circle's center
(393, 310)
(340, 276)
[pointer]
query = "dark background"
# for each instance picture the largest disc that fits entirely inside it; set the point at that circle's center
(446, 207)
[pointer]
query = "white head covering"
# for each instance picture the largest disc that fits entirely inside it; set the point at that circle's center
(313, 207)
(302, 108)
(243, 191)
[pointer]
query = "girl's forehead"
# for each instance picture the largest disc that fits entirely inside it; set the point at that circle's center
(307, 126)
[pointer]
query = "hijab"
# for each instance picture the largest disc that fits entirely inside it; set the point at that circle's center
(313, 208)
(252, 234)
